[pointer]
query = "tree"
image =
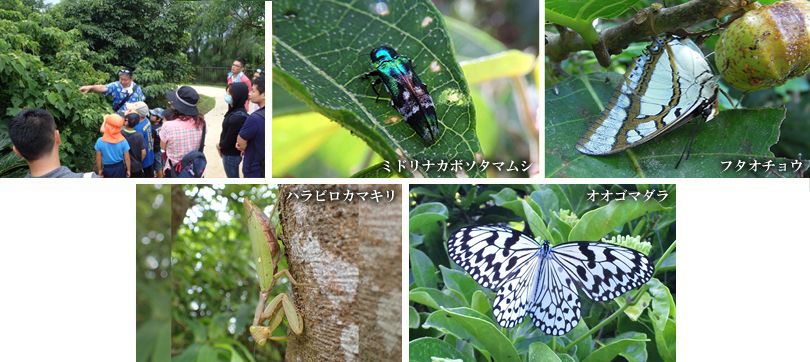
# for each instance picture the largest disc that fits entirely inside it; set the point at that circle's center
(227, 30)
(148, 37)
(42, 66)
(346, 257)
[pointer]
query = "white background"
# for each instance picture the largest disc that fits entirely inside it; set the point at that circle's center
(67, 269)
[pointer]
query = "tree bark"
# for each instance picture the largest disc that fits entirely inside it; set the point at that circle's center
(347, 260)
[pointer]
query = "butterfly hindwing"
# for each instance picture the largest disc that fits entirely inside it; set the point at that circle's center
(556, 308)
(603, 271)
(515, 295)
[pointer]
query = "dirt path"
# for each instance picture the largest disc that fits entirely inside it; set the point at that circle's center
(213, 120)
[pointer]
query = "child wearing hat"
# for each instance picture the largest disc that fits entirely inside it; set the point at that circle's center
(137, 147)
(112, 150)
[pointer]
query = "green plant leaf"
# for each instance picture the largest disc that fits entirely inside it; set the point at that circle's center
(480, 303)
(470, 325)
(579, 14)
(510, 63)
(737, 134)
(423, 349)
(540, 352)
(320, 53)
(599, 222)
(413, 318)
(662, 315)
(422, 268)
(435, 298)
(459, 281)
(427, 215)
(536, 222)
(626, 344)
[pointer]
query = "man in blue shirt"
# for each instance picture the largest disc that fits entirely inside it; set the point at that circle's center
(251, 137)
(122, 91)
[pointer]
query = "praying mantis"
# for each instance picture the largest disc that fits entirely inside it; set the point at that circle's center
(266, 252)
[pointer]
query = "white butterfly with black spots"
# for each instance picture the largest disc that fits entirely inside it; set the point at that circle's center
(542, 280)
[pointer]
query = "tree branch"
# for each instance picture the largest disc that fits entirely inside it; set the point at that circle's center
(649, 22)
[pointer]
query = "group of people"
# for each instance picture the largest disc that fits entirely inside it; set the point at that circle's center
(140, 142)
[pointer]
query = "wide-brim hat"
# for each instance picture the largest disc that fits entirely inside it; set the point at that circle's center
(112, 128)
(184, 100)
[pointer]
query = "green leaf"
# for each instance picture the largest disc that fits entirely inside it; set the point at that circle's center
(460, 282)
(480, 303)
(427, 216)
(470, 325)
(510, 63)
(320, 53)
(532, 213)
(423, 349)
(540, 352)
(599, 222)
(422, 268)
(434, 298)
(662, 315)
(737, 134)
(626, 344)
(585, 346)
(579, 14)
(413, 318)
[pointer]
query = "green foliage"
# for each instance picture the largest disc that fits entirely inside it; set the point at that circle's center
(579, 14)
(448, 308)
(305, 144)
(42, 66)
(154, 289)
(214, 277)
(149, 37)
(225, 31)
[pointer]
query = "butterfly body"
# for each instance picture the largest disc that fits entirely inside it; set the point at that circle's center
(409, 95)
(542, 280)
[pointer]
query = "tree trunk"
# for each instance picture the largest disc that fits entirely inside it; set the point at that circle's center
(347, 260)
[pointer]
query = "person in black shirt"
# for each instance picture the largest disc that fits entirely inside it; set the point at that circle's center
(234, 118)
(137, 149)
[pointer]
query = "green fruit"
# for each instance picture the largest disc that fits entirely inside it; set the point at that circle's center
(766, 46)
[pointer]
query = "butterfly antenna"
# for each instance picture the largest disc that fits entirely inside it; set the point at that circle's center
(688, 149)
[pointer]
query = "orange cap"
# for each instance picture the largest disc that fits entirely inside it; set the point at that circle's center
(112, 128)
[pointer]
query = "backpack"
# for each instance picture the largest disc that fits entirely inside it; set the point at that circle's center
(192, 165)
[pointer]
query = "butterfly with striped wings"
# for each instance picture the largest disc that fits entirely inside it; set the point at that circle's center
(542, 280)
(668, 85)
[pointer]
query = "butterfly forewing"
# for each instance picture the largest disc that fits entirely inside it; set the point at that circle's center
(541, 280)
(490, 254)
(603, 271)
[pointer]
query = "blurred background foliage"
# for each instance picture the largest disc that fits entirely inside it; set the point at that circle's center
(213, 287)
(152, 280)
(794, 140)
(450, 315)
(47, 51)
(307, 144)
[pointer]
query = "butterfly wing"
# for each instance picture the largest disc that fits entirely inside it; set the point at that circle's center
(556, 308)
(666, 86)
(490, 254)
(501, 259)
(603, 271)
